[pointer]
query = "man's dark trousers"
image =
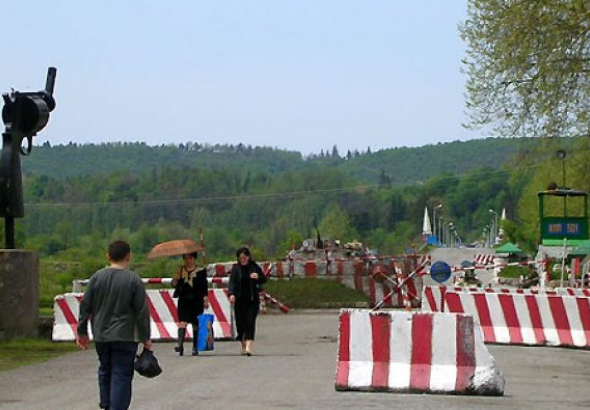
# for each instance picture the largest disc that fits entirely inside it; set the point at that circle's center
(115, 373)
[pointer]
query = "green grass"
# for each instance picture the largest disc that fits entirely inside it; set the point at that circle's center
(311, 293)
(20, 352)
(514, 272)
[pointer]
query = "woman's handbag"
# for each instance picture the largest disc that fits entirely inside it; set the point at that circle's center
(146, 364)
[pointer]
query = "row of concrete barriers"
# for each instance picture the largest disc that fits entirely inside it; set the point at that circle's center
(441, 349)
(519, 316)
(163, 315)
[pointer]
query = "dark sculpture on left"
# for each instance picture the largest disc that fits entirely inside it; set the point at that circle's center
(24, 114)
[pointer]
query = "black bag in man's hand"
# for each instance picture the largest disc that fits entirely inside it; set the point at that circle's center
(146, 364)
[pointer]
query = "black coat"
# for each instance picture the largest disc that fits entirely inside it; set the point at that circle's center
(235, 281)
(190, 298)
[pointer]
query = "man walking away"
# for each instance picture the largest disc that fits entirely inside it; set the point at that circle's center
(115, 303)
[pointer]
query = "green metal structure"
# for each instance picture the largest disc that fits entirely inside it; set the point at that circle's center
(563, 216)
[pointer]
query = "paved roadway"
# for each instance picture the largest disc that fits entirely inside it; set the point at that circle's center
(293, 368)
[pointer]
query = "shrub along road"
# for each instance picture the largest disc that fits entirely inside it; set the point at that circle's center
(293, 367)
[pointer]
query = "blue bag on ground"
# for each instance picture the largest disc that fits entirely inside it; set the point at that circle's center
(205, 337)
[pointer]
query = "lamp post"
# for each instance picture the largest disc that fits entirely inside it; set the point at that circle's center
(561, 154)
(486, 235)
(494, 233)
(434, 221)
(450, 229)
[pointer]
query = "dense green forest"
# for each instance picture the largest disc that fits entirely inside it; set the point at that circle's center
(80, 197)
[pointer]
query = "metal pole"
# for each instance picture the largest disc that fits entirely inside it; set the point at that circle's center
(434, 221)
(9, 232)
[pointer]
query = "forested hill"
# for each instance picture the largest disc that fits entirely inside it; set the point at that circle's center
(396, 166)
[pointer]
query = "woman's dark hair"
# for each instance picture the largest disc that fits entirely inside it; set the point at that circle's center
(243, 250)
(193, 254)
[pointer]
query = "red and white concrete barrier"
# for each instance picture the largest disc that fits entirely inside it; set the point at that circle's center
(432, 296)
(163, 315)
(414, 352)
(526, 319)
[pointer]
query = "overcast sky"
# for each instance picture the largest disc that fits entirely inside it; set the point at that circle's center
(297, 74)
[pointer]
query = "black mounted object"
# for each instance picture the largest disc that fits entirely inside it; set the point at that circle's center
(24, 114)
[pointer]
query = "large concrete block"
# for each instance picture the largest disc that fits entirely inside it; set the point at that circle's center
(19, 293)
(414, 352)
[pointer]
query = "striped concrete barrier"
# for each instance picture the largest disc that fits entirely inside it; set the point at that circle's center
(432, 296)
(414, 352)
(163, 315)
(526, 319)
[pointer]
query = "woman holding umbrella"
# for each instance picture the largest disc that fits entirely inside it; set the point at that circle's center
(244, 287)
(191, 289)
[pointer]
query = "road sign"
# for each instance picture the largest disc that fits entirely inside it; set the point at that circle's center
(440, 271)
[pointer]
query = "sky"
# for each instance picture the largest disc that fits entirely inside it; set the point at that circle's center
(301, 75)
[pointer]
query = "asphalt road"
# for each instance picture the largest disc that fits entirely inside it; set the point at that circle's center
(293, 368)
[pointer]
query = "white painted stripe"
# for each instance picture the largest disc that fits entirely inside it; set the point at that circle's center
(443, 372)
(361, 350)
(524, 319)
(498, 320)
(573, 317)
(400, 348)
(165, 315)
(549, 328)
(468, 304)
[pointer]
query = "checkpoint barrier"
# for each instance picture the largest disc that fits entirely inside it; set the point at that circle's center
(414, 352)
(353, 273)
(163, 315)
(525, 318)
(77, 284)
(432, 296)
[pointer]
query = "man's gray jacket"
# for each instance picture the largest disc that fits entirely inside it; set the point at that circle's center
(115, 302)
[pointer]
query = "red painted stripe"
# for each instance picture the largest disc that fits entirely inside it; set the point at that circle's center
(421, 351)
(535, 316)
(157, 319)
(372, 293)
(452, 302)
(380, 328)
(561, 321)
(358, 283)
(386, 292)
(220, 270)
(310, 269)
(429, 294)
(584, 310)
(465, 348)
(280, 273)
(359, 268)
(571, 292)
(343, 352)
(507, 305)
(219, 315)
(411, 288)
(68, 314)
(485, 319)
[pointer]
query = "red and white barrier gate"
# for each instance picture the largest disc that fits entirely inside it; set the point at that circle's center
(525, 319)
(163, 315)
(414, 352)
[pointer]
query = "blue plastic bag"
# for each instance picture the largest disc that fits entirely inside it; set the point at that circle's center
(205, 338)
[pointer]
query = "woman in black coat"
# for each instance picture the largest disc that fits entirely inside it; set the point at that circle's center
(244, 288)
(191, 289)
